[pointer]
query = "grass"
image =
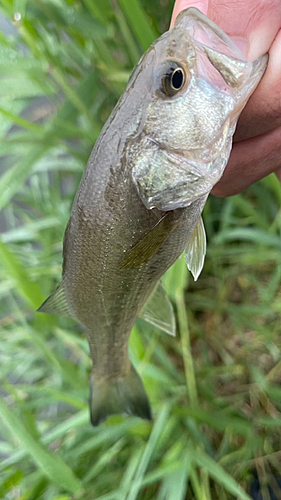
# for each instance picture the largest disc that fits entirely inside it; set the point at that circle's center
(215, 388)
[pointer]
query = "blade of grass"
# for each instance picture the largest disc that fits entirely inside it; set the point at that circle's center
(130, 471)
(129, 39)
(25, 286)
(80, 419)
(73, 96)
(147, 454)
(196, 486)
(63, 366)
(248, 234)
(98, 10)
(104, 459)
(50, 463)
(174, 485)
(144, 32)
(219, 474)
(186, 347)
(12, 180)
(20, 121)
(273, 183)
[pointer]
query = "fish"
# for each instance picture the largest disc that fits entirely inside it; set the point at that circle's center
(139, 203)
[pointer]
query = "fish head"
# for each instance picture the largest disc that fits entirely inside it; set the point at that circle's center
(196, 83)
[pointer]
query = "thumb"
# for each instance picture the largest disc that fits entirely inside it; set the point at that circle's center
(180, 5)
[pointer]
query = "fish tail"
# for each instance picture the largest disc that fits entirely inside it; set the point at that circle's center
(124, 394)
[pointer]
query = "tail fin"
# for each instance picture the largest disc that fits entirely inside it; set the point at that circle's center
(125, 395)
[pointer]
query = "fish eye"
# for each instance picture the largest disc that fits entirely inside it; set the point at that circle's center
(173, 80)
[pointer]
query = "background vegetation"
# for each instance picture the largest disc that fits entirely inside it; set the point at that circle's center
(215, 388)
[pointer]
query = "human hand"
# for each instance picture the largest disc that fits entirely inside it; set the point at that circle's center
(255, 25)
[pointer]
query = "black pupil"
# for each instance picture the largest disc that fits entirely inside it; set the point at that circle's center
(177, 79)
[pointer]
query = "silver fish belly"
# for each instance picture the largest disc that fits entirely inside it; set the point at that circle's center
(139, 203)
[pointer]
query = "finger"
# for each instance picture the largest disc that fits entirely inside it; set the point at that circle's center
(258, 23)
(184, 4)
(263, 110)
(254, 21)
(249, 162)
(278, 173)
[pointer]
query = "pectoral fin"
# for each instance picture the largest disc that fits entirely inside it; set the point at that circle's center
(150, 243)
(196, 250)
(158, 311)
(56, 303)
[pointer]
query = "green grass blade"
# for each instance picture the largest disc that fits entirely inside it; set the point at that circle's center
(219, 474)
(128, 38)
(138, 22)
(80, 419)
(12, 180)
(149, 449)
(28, 289)
(73, 96)
(174, 485)
(99, 10)
(50, 463)
(248, 234)
(20, 121)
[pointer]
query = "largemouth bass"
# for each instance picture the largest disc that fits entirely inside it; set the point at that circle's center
(139, 203)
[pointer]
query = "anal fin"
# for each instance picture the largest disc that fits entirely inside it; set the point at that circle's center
(56, 303)
(158, 311)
